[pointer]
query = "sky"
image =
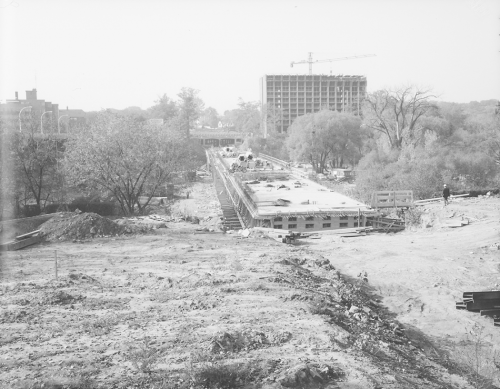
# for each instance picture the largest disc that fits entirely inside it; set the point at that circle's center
(97, 54)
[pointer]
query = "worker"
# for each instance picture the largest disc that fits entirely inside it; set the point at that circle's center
(446, 194)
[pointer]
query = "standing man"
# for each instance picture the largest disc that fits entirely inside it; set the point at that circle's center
(446, 194)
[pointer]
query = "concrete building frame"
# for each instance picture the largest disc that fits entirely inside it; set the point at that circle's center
(298, 95)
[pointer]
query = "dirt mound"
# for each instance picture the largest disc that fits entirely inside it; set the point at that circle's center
(79, 226)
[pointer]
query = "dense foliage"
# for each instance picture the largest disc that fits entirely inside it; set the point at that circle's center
(124, 159)
(459, 147)
(402, 140)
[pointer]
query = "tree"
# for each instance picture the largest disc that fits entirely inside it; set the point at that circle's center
(274, 145)
(125, 159)
(165, 108)
(324, 136)
(397, 114)
(32, 160)
(191, 107)
(210, 118)
(246, 118)
(273, 117)
(8, 178)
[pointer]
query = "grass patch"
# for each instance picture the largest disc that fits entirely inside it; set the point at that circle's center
(220, 375)
(100, 326)
(143, 355)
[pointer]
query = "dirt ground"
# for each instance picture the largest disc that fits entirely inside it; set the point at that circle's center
(184, 307)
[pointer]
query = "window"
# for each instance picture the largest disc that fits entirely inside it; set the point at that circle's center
(327, 225)
(292, 219)
(278, 219)
(327, 218)
(292, 226)
(278, 227)
(356, 224)
(344, 218)
(309, 218)
(343, 225)
(310, 225)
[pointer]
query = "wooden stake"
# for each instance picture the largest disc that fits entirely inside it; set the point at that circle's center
(56, 262)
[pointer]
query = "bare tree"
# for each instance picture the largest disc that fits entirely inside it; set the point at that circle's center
(126, 159)
(397, 114)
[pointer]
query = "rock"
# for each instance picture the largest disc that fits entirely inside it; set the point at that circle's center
(353, 309)
(324, 263)
(245, 233)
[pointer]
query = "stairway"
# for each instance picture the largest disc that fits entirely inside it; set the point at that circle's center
(231, 220)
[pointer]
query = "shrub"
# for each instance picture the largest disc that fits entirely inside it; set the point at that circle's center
(143, 355)
(413, 216)
(217, 375)
(102, 209)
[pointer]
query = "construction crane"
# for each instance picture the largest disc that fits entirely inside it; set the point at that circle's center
(310, 60)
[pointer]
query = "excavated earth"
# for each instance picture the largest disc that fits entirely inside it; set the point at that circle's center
(184, 307)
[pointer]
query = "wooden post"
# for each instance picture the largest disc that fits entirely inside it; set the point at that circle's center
(56, 262)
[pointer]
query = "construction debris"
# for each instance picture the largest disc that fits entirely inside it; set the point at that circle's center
(22, 241)
(486, 303)
(385, 224)
(455, 223)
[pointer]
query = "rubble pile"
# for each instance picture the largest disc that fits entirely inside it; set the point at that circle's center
(143, 223)
(79, 226)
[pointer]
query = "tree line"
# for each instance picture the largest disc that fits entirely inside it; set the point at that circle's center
(116, 155)
(402, 139)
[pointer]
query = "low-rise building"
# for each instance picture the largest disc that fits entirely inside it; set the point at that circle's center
(17, 113)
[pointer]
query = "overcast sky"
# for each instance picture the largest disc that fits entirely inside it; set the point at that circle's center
(94, 54)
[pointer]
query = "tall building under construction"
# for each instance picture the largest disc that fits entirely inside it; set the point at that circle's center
(297, 95)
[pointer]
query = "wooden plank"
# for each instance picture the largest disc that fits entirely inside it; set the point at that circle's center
(453, 224)
(16, 245)
(27, 235)
(343, 231)
(483, 304)
(388, 221)
(490, 312)
(486, 295)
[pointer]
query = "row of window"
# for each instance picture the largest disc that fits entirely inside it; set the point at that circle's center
(309, 218)
(325, 225)
(323, 87)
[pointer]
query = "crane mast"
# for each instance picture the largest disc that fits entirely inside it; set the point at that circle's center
(310, 60)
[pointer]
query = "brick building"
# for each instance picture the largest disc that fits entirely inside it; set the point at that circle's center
(16, 112)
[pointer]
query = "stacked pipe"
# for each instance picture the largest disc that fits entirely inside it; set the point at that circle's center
(486, 303)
